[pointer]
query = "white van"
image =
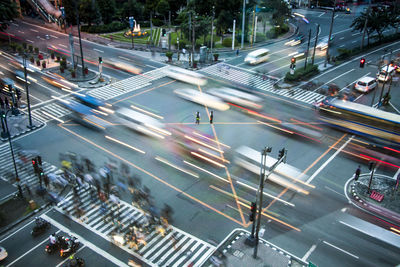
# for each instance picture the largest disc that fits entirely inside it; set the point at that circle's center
(386, 73)
(187, 76)
(257, 56)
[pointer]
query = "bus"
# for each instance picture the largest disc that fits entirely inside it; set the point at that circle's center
(361, 119)
(284, 174)
(93, 102)
(141, 123)
(85, 115)
(187, 76)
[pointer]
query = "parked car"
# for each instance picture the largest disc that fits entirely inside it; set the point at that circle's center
(365, 84)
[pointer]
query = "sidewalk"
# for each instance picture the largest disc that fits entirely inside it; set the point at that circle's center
(18, 125)
(234, 252)
(388, 208)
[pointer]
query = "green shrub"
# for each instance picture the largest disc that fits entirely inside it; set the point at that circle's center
(302, 74)
(344, 53)
(114, 26)
(13, 46)
(169, 54)
(227, 42)
(157, 22)
(30, 48)
(19, 49)
(24, 45)
(37, 50)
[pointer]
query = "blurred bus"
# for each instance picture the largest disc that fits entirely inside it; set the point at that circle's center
(361, 119)
(284, 175)
(126, 67)
(186, 76)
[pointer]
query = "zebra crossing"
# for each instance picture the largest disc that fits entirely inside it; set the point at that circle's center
(172, 248)
(127, 85)
(55, 111)
(25, 169)
(242, 77)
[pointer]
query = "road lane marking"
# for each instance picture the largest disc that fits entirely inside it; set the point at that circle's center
(342, 250)
(341, 38)
(321, 14)
(329, 160)
(88, 244)
(15, 24)
(33, 30)
(21, 32)
(334, 79)
(98, 50)
(16, 231)
(63, 45)
(30, 41)
(53, 36)
(342, 45)
(23, 255)
(354, 34)
(334, 191)
(398, 111)
(335, 16)
(355, 41)
(305, 257)
(355, 81)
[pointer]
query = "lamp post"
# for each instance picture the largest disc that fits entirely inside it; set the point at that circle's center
(79, 36)
(330, 34)
(7, 132)
(30, 126)
(243, 22)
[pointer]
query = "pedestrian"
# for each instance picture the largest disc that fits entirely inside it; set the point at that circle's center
(237, 52)
(46, 181)
(28, 190)
(197, 117)
(358, 172)
(211, 117)
(264, 77)
(6, 103)
(1, 103)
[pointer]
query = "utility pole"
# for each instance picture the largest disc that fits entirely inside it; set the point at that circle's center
(212, 31)
(365, 25)
(30, 126)
(255, 29)
(194, 39)
(243, 23)
(330, 34)
(233, 37)
(252, 26)
(190, 30)
(315, 45)
(79, 36)
(169, 27)
(386, 76)
(308, 48)
(151, 28)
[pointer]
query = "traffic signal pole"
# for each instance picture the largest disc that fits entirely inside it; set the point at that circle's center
(30, 126)
(330, 34)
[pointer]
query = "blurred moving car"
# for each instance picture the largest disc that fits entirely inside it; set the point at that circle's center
(365, 84)
(257, 56)
(323, 43)
(3, 253)
(296, 41)
(237, 97)
(202, 99)
(186, 76)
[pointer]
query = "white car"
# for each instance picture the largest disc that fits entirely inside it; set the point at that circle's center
(365, 84)
(202, 99)
(3, 253)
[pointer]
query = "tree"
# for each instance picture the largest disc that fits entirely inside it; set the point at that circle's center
(89, 12)
(224, 21)
(379, 22)
(359, 22)
(162, 8)
(8, 11)
(107, 10)
(69, 8)
(280, 11)
(132, 8)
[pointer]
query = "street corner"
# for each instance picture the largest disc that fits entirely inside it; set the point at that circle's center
(376, 193)
(96, 82)
(19, 125)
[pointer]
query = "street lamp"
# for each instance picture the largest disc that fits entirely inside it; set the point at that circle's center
(30, 126)
(7, 133)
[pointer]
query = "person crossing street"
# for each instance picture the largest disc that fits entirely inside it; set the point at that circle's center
(198, 117)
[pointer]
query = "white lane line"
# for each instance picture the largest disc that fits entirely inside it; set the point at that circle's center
(329, 160)
(305, 257)
(33, 30)
(98, 50)
(53, 36)
(354, 34)
(321, 14)
(125, 58)
(342, 250)
(334, 191)
(21, 32)
(85, 242)
(341, 38)
(16, 232)
(151, 66)
(394, 108)
(355, 81)
(15, 24)
(30, 41)
(335, 16)
(63, 45)
(355, 41)
(23, 255)
(334, 78)
(342, 45)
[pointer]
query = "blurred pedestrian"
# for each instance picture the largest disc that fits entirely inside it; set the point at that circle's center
(197, 117)
(237, 52)
(7, 105)
(358, 172)
(46, 181)
(211, 117)
(1, 103)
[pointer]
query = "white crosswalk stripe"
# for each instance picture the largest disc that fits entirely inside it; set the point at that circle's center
(127, 85)
(49, 112)
(242, 77)
(159, 250)
(25, 170)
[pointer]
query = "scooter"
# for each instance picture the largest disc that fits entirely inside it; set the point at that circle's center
(76, 262)
(50, 248)
(40, 227)
(71, 245)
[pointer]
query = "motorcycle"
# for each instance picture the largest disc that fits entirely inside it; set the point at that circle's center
(70, 245)
(40, 227)
(50, 248)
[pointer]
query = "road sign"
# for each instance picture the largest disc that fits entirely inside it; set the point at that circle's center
(131, 22)
(62, 11)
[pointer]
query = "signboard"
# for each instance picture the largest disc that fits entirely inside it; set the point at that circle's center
(131, 22)
(62, 12)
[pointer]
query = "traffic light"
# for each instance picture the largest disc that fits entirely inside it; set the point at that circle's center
(281, 153)
(253, 211)
(293, 60)
(39, 160)
(35, 166)
(164, 32)
(371, 165)
(18, 93)
(100, 60)
(362, 62)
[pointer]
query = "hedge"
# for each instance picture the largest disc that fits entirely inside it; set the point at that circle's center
(114, 26)
(276, 31)
(302, 74)
(227, 42)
